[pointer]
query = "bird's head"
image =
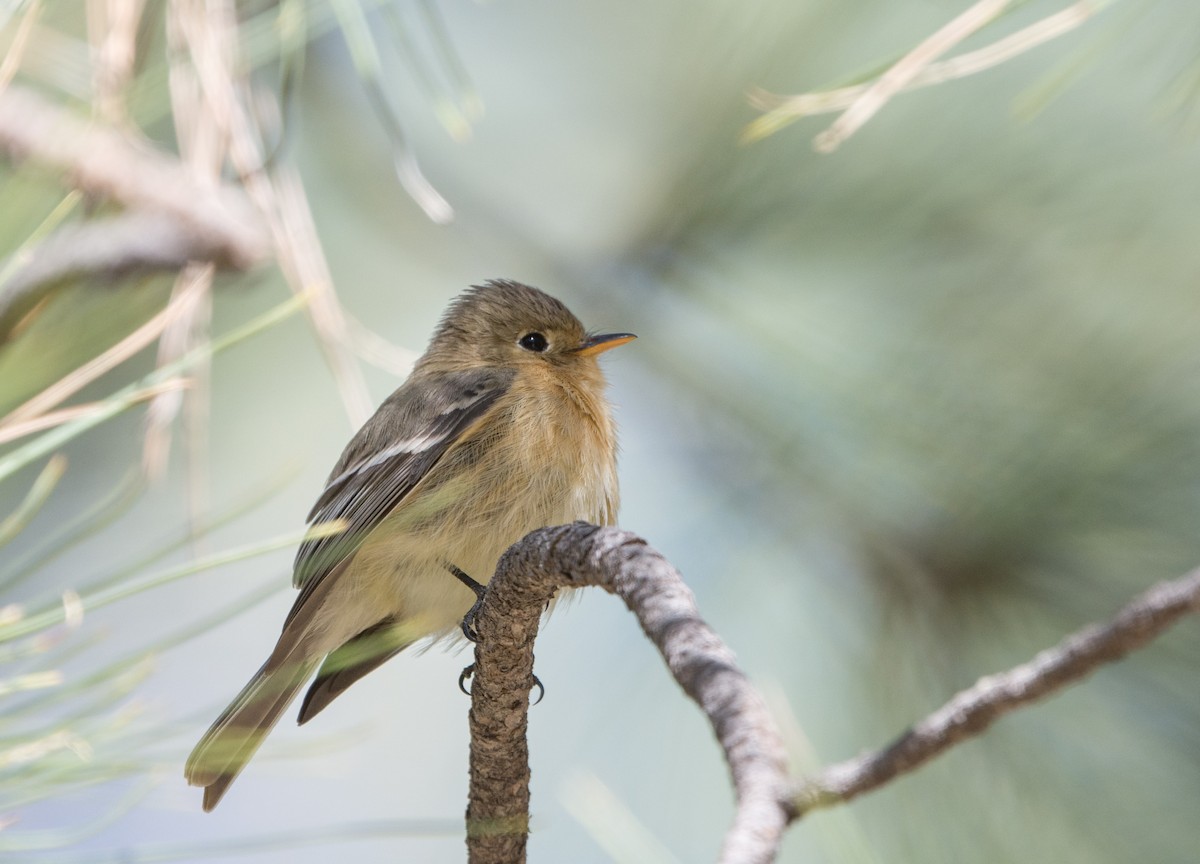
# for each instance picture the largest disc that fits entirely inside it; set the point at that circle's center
(507, 324)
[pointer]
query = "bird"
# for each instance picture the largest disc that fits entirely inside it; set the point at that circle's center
(502, 427)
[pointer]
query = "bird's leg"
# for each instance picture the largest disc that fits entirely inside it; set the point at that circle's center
(468, 625)
(468, 622)
(468, 628)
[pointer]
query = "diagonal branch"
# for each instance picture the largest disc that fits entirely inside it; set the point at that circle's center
(973, 710)
(578, 555)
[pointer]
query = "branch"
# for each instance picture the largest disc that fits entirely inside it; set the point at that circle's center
(574, 556)
(134, 242)
(173, 218)
(578, 555)
(103, 162)
(973, 710)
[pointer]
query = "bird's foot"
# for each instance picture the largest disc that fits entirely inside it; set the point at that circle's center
(468, 629)
(468, 622)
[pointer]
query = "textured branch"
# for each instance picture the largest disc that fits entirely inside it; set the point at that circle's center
(973, 710)
(621, 563)
(578, 555)
(173, 217)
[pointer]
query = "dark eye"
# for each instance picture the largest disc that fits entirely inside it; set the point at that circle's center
(533, 342)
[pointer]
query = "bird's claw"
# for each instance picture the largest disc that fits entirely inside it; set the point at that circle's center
(466, 674)
(468, 622)
(468, 629)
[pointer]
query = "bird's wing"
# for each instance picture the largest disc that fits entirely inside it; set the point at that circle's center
(398, 446)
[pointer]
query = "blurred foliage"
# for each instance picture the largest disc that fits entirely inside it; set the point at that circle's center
(76, 740)
(62, 732)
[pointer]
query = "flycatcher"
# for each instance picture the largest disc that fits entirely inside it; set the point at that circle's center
(502, 428)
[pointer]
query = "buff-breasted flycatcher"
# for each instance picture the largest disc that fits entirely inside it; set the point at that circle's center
(502, 427)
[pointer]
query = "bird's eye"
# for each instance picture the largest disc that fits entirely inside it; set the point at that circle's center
(533, 342)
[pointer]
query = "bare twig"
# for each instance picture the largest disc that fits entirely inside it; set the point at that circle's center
(133, 242)
(973, 710)
(781, 110)
(905, 69)
(578, 555)
(203, 145)
(280, 197)
(185, 330)
(104, 163)
(171, 217)
(206, 221)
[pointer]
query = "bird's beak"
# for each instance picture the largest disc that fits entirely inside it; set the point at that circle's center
(593, 345)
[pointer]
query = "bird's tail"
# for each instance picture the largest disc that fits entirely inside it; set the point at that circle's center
(238, 733)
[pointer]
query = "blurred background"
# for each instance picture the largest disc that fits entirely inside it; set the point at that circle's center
(903, 414)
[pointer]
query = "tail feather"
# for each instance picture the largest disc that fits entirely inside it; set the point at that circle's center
(364, 653)
(240, 730)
